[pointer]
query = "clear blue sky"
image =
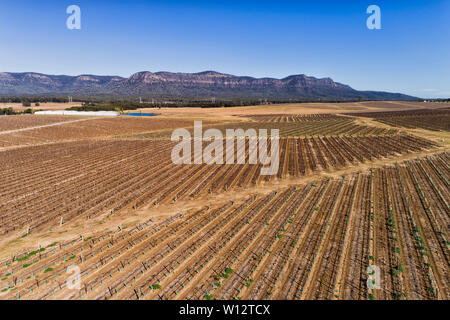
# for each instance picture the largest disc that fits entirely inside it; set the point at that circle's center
(410, 54)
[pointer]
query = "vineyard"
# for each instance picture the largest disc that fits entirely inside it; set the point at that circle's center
(48, 183)
(355, 211)
(310, 241)
(319, 125)
(300, 118)
(436, 120)
(90, 128)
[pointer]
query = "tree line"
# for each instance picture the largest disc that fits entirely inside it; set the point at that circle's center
(11, 111)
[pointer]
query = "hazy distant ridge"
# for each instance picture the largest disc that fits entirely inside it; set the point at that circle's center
(205, 84)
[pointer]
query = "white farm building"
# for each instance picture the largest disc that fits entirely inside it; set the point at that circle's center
(80, 113)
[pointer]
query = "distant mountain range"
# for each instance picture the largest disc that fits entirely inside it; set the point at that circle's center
(200, 85)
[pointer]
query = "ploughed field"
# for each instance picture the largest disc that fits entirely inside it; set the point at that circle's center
(39, 185)
(16, 122)
(310, 241)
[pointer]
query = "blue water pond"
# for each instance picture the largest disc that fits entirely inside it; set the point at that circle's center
(139, 114)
